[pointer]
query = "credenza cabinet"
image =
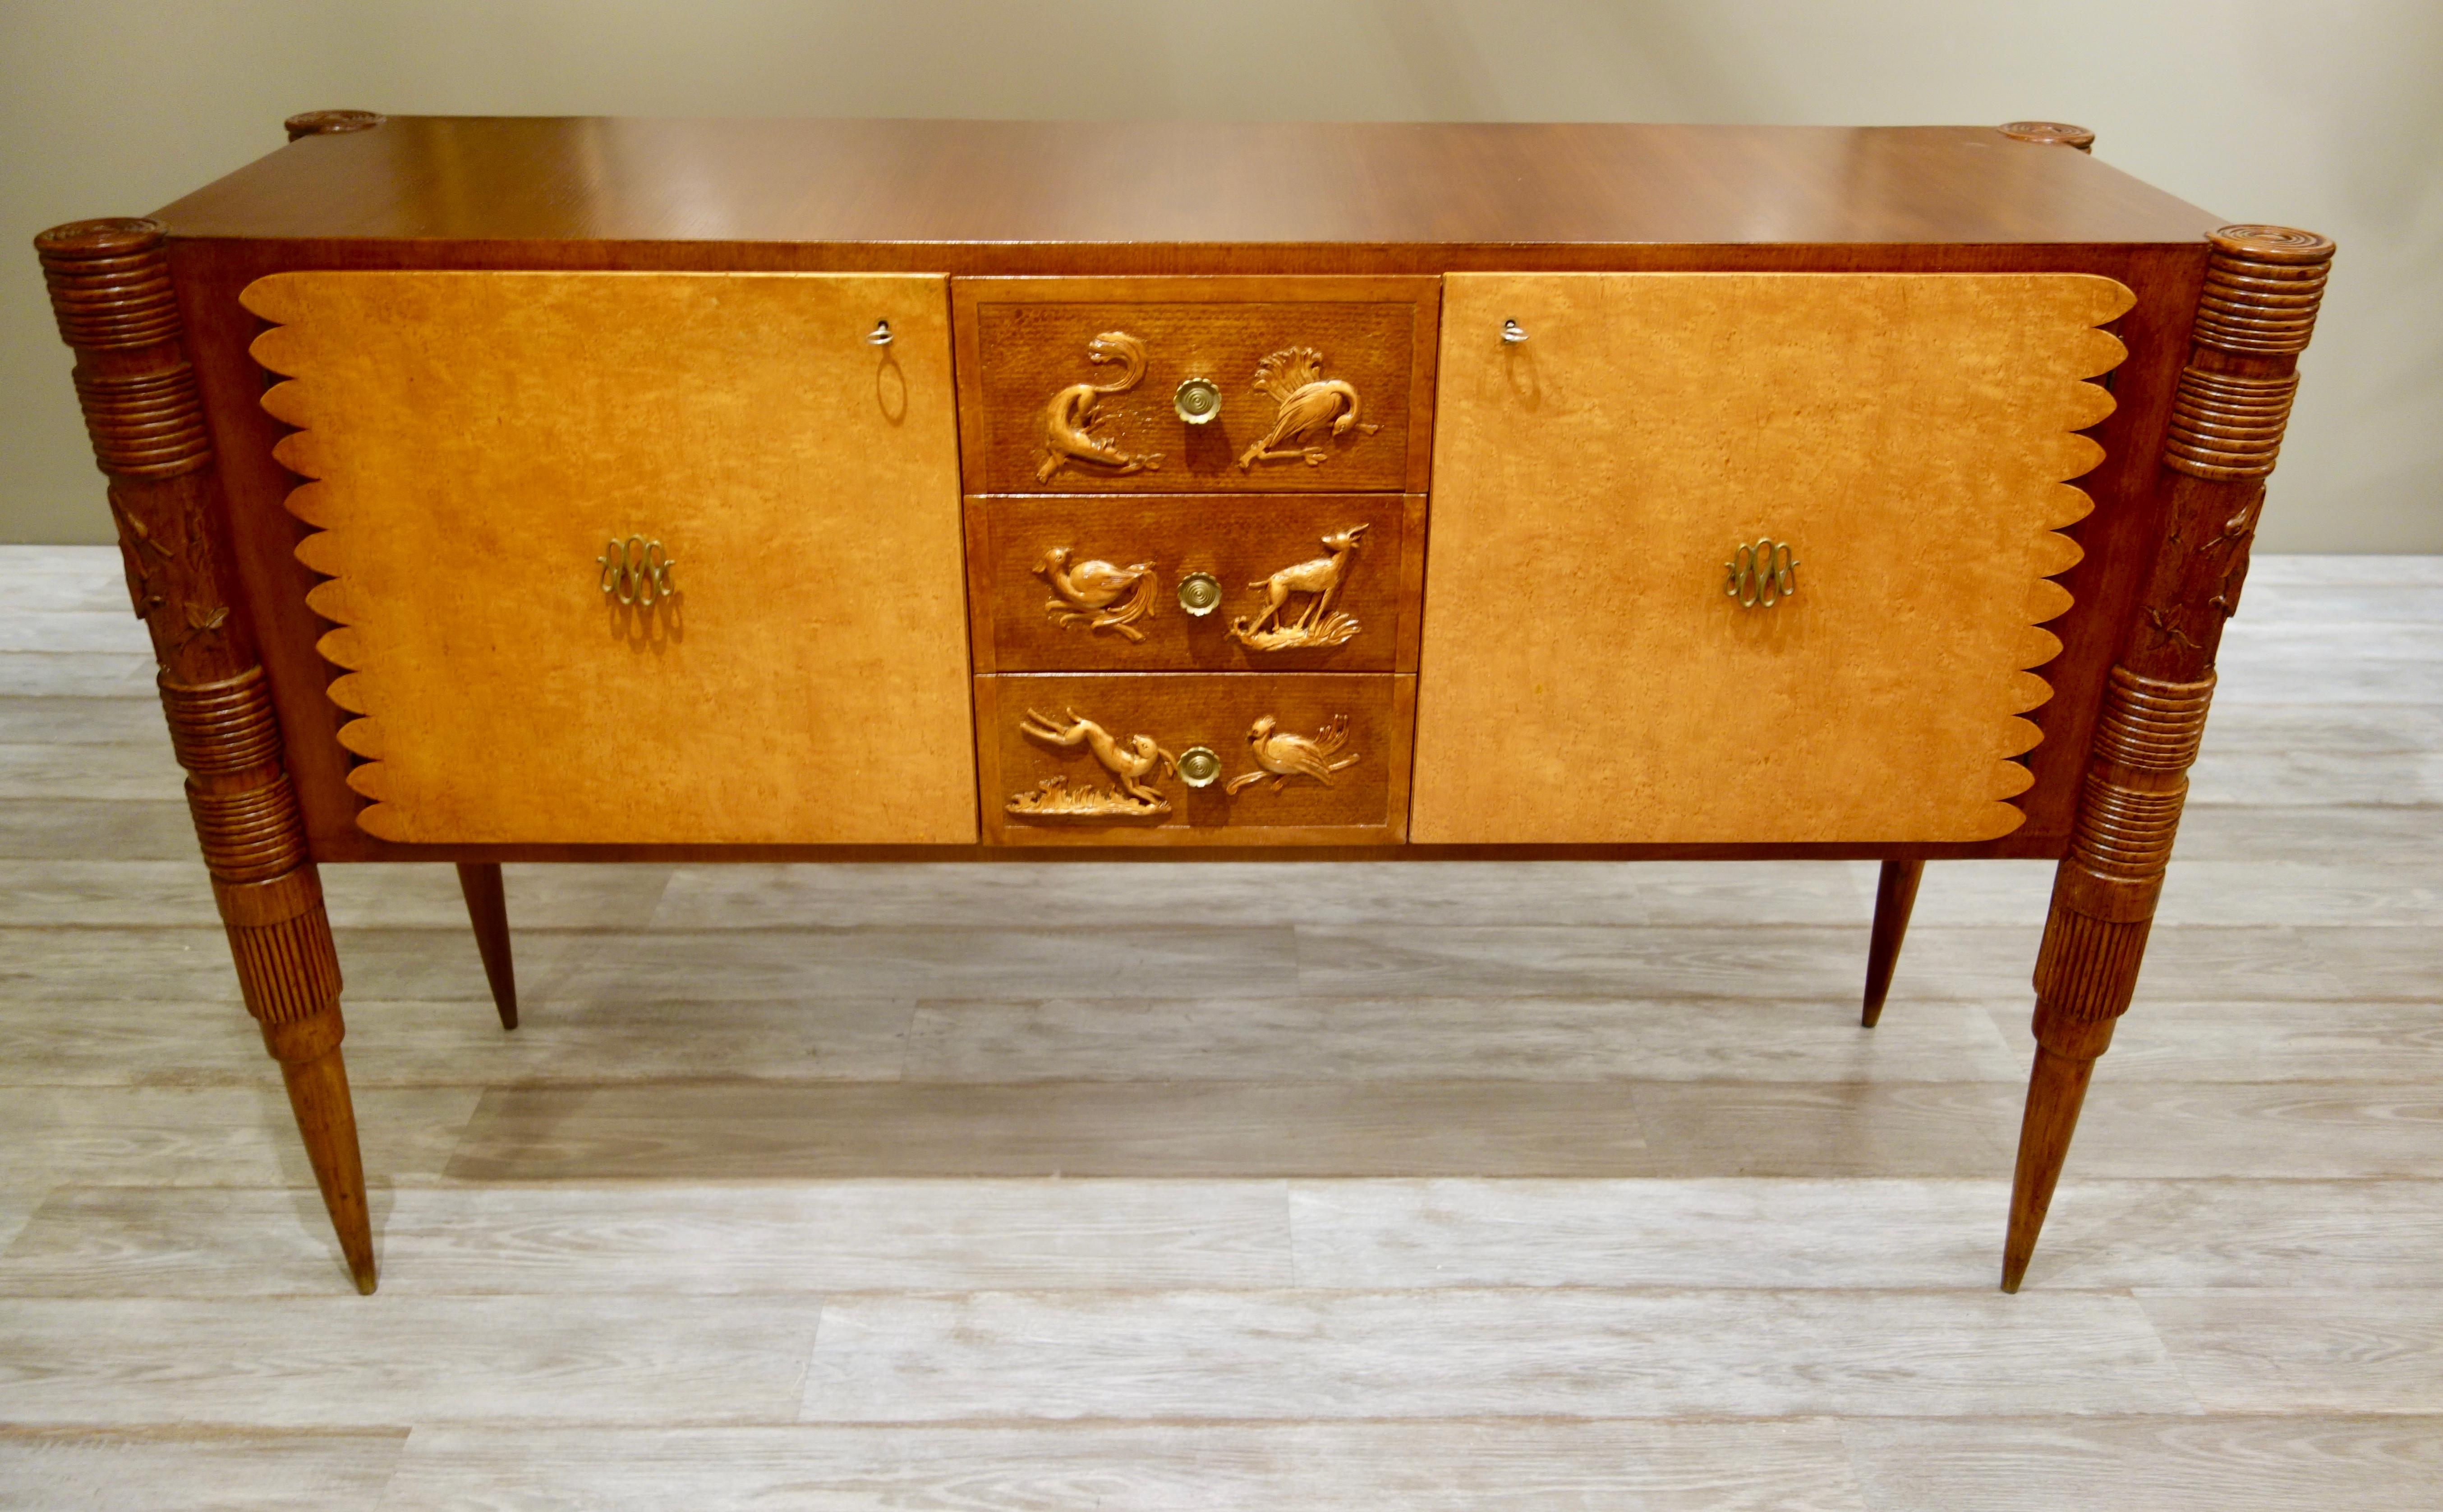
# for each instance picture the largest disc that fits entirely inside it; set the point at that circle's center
(541, 489)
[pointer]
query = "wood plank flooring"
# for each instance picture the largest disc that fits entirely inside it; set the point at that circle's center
(1363, 1187)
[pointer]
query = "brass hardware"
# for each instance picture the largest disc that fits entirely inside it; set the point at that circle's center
(1198, 400)
(1308, 401)
(1282, 756)
(1513, 333)
(1129, 761)
(635, 571)
(1317, 623)
(1071, 413)
(1095, 594)
(1198, 766)
(1200, 594)
(880, 335)
(1761, 575)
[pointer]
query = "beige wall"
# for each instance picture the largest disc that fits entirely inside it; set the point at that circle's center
(2328, 117)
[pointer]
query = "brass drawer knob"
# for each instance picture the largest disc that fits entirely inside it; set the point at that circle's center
(635, 571)
(1761, 573)
(1199, 767)
(1200, 594)
(1198, 400)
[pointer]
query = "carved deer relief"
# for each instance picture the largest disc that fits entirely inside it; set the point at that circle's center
(1072, 413)
(1129, 761)
(1096, 593)
(1317, 623)
(1281, 756)
(1308, 401)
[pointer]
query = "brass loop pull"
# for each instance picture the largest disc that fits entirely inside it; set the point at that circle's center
(880, 335)
(1199, 767)
(1513, 333)
(1762, 574)
(637, 571)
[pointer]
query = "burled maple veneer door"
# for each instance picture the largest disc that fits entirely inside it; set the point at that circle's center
(1584, 676)
(799, 671)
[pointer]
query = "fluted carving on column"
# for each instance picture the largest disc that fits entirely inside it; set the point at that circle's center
(110, 289)
(2255, 315)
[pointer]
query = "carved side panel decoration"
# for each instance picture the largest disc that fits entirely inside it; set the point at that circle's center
(1313, 585)
(1097, 595)
(1074, 411)
(2263, 288)
(473, 438)
(1307, 406)
(1130, 762)
(1584, 675)
(1282, 755)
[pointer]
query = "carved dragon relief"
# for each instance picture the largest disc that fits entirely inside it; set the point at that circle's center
(1308, 401)
(1129, 761)
(1096, 593)
(1317, 623)
(1281, 756)
(1073, 413)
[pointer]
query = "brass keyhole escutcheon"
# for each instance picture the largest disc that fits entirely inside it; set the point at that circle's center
(1200, 594)
(1199, 767)
(1760, 574)
(1198, 400)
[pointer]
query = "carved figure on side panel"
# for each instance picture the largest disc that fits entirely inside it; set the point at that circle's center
(1282, 755)
(1073, 411)
(1096, 593)
(1129, 761)
(1308, 401)
(1317, 623)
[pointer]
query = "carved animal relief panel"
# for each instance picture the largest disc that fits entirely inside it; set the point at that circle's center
(1311, 586)
(1072, 392)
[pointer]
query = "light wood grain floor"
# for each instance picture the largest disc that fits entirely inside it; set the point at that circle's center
(1223, 1186)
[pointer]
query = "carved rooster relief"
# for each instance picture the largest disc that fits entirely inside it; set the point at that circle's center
(1282, 756)
(1072, 413)
(1096, 593)
(1308, 401)
(1316, 624)
(1129, 761)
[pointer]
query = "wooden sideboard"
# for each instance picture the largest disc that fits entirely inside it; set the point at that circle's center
(572, 489)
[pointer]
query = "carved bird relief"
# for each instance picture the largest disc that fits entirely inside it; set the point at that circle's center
(1316, 624)
(1095, 594)
(1282, 756)
(1072, 413)
(1129, 761)
(1308, 401)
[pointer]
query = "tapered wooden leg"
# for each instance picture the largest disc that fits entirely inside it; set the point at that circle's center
(308, 1054)
(488, 906)
(1895, 895)
(112, 292)
(2262, 287)
(2056, 1088)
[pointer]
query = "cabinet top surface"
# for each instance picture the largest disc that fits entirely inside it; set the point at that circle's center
(962, 183)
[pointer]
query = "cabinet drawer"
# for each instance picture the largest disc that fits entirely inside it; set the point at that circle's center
(1195, 758)
(1188, 583)
(1302, 384)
